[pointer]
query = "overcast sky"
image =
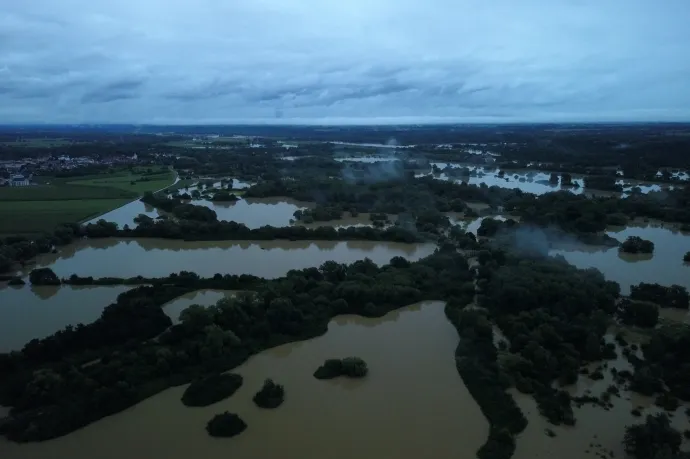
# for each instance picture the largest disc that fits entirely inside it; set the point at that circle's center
(225, 61)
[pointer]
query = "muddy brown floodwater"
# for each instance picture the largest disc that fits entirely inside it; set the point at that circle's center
(36, 312)
(412, 404)
(269, 259)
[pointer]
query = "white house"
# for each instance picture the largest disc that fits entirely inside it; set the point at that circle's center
(19, 180)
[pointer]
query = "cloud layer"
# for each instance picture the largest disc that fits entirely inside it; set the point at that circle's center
(225, 61)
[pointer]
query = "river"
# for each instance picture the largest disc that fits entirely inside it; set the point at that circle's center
(36, 312)
(270, 259)
(412, 404)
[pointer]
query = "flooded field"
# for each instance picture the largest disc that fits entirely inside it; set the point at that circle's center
(270, 259)
(257, 212)
(30, 312)
(665, 266)
(410, 407)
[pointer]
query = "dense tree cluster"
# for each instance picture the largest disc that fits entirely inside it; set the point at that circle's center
(352, 367)
(43, 276)
(271, 395)
(211, 389)
(686, 257)
(638, 313)
(603, 182)
(667, 360)
(655, 439)
(225, 425)
(554, 317)
(224, 196)
(224, 230)
(476, 359)
(635, 244)
(675, 296)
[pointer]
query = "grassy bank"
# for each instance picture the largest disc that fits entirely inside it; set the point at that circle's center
(35, 209)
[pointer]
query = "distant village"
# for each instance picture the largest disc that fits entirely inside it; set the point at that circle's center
(20, 172)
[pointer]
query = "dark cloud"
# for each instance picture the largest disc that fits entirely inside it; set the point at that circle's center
(117, 90)
(366, 60)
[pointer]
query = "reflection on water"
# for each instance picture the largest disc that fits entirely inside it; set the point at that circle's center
(665, 266)
(412, 404)
(256, 212)
(36, 312)
(206, 297)
(160, 257)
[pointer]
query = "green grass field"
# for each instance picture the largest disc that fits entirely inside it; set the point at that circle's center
(31, 218)
(35, 209)
(131, 182)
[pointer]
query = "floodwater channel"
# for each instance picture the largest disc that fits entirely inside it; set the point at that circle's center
(112, 257)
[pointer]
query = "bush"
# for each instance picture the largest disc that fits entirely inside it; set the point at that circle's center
(271, 395)
(686, 258)
(16, 281)
(353, 367)
(225, 425)
(211, 389)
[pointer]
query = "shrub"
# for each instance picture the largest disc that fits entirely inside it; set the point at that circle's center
(211, 389)
(271, 395)
(225, 425)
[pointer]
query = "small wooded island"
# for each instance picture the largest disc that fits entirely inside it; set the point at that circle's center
(635, 244)
(271, 395)
(352, 367)
(225, 425)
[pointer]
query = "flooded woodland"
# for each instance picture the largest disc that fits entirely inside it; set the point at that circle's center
(413, 402)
